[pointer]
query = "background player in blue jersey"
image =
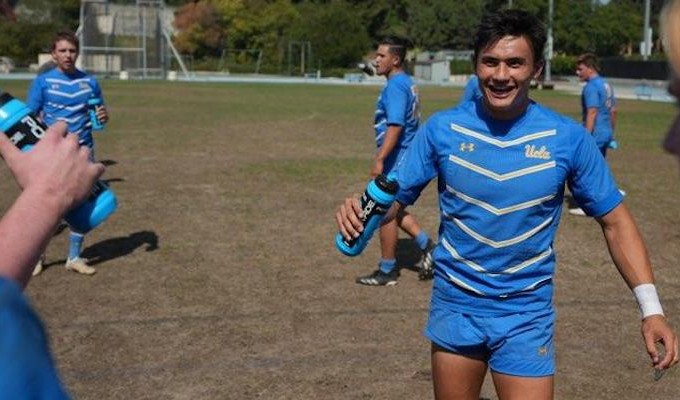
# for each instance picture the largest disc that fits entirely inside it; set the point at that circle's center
(598, 107)
(598, 103)
(472, 90)
(397, 117)
(61, 94)
(54, 176)
(502, 163)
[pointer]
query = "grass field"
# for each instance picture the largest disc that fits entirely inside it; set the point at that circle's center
(217, 277)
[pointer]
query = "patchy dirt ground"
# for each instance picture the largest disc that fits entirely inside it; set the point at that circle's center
(217, 277)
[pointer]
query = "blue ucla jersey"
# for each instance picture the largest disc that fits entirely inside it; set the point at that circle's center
(57, 96)
(501, 188)
(597, 93)
(398, 104)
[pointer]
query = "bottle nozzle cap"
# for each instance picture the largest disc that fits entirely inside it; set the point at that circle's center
(387, 183)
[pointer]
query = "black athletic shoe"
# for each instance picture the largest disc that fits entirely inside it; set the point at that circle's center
(379, 278)
(426, 264)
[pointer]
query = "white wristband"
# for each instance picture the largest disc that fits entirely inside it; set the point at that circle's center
(647, 299)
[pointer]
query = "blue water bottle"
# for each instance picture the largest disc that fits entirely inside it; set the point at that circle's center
(24, 130)
(376, 200)
(92, 104)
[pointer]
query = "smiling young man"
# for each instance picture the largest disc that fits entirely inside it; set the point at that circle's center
(397, 117)
(502, 163)
(61, 94)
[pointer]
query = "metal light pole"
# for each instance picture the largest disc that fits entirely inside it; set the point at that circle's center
(646, 39)
(547, 82)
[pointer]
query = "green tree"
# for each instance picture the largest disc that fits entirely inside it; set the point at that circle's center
(337, 35)
(265, 26)
(442, 24)
(607, 30)
(616, 27)
(572, 26)
(34, 28)
(35, 39)
(383, 17)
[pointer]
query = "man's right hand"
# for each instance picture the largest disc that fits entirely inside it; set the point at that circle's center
(56, 166)
(347, 218)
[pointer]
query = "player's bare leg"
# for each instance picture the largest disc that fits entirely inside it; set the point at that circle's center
(456, 377)
(408, 223)
(511, 387)
(389, 235)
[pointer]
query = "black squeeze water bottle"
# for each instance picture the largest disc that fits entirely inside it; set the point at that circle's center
(24, 130)
(376, 200)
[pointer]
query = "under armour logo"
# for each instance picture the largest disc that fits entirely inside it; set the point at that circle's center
(543, 351)
(467, 147)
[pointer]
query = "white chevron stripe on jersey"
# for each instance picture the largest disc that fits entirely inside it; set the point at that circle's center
(457, 256)
(73, 108)
(501, 177)
(69, 95)
(70, 120)
(63, 107)
(464, 285)
(479, 268)
(533, 285)
(67, 83)
(499, 243)
(528, 262)
(501, 143)
(499, 211)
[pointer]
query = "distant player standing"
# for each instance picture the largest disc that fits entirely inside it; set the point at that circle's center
(598, 103)
(598, 107)
(61, 94)
(397, 117)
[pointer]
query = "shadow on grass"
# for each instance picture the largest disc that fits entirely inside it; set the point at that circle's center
(121, 246)
(113, 248)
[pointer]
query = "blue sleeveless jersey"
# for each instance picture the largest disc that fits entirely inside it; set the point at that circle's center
(398, 104)
(501, 188)
(57, 96)
(597, 93)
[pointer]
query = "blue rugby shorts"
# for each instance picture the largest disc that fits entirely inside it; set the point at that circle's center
(518, 344)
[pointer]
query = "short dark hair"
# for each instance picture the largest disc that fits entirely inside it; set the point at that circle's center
(589, 60)
(511, 22)
(397, 46)
(67, 36)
